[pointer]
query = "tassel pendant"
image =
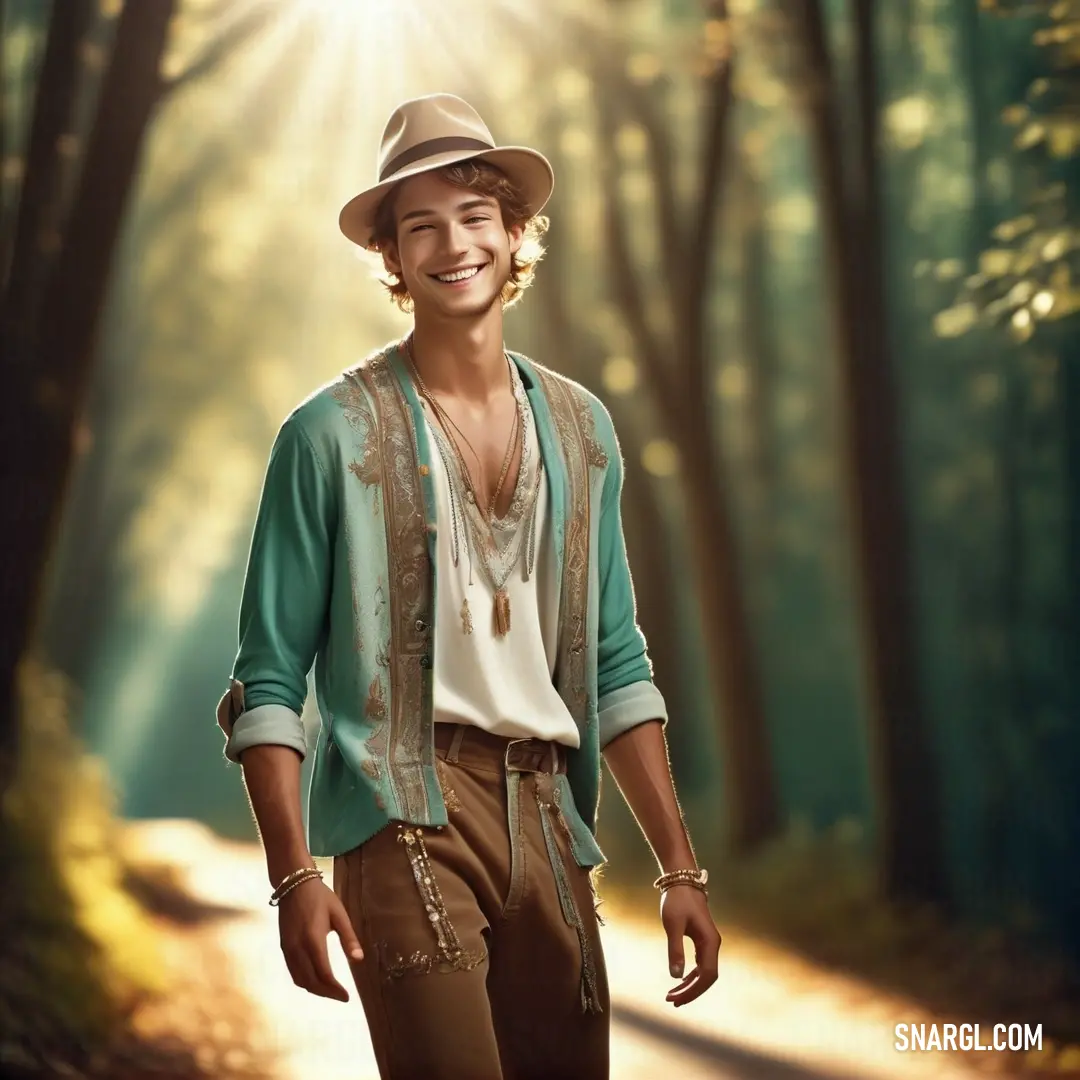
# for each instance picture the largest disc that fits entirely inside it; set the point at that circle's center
(466, 617)
(502, 612)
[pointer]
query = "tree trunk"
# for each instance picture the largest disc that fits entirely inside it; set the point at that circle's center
(904, 764)
(679, 374)
(49, 364)
(25, 243)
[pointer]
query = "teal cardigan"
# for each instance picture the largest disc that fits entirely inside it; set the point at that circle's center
(341, 574)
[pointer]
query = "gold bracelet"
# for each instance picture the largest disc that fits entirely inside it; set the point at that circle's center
(695, 878)
(288, 883)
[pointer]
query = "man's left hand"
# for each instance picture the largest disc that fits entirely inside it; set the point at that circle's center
(684, 912)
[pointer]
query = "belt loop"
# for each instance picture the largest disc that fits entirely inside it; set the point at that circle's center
(455, 744)
(554, 759)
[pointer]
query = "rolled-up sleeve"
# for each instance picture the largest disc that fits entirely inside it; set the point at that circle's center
(286, 594)
(625, 690)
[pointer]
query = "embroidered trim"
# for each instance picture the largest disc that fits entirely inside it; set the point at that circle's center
(566, 410)
(375, 707)
(450, 796)
(590, 991)
(350, 395)
(450, 955)
(410, 599)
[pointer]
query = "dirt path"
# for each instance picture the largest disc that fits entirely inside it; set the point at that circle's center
(772, 1016)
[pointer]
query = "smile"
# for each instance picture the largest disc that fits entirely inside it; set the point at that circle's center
(454, 277)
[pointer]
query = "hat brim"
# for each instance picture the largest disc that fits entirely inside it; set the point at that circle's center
(529, 171)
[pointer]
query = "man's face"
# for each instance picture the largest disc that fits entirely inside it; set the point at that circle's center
(453, 251)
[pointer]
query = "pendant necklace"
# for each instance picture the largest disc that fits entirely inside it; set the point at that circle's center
(498, 559)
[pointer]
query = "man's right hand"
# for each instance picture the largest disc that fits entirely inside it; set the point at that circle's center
(306, 916)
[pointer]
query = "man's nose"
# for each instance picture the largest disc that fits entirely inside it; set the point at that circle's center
(456, 238)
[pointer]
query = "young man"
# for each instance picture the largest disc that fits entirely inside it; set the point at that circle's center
(440, 534)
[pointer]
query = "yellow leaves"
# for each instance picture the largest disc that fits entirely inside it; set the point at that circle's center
(1010, 230)
(956, 321)
(795, 213)
(1022, 325)
(732, 382)
(620, 375)
(1031, 135)
(1015, 115)
(1063, 137)
(907, 121)
(1056, 247)
(1043, 303)
(948, 269)
(996, 262)
(660, 458)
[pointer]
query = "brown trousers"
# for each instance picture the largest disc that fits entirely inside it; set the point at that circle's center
(482, 955)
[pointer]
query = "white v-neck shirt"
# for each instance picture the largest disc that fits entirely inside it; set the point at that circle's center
(501, 684)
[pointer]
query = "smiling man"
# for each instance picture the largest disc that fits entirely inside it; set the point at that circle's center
(440, 535)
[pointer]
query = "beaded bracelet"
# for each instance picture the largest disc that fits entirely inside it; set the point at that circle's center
(695, 878)
(297, 877)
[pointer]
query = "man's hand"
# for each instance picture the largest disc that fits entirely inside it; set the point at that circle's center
(684, 911)
(306, 916)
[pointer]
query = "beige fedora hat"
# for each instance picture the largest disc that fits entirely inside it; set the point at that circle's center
(441, 129)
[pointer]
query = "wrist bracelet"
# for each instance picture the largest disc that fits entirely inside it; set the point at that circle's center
(288, 883)
(695, 878)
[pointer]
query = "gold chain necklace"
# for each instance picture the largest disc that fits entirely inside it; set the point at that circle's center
(445, 418)
(502, 596)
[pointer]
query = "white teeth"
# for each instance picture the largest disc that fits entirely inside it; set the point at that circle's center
(459, 275)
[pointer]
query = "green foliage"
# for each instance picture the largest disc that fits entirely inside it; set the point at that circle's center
(76, 954)
(1028, 275)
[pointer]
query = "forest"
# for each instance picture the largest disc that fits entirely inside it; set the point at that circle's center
(815, 256)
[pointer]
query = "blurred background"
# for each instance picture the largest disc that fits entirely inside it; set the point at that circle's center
(817, 257)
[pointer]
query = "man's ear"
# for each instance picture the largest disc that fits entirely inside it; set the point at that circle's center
(516, 233)
(390, 258)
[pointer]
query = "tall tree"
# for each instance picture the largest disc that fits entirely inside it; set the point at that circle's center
(49, 345)
(677, 364)
(849, 194)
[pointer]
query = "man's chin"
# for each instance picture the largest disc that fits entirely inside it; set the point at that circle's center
(469, 307)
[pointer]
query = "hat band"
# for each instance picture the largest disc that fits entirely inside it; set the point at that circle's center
(428, 148)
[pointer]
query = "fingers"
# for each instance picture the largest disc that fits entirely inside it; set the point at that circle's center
(308, 962)
(676, 955)
(342, 924)
(706, 939)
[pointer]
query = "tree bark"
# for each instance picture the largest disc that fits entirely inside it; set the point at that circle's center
(904, 765)
(54, 109)
(49, 363)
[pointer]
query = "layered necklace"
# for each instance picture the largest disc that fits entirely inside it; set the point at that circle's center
(496, 542)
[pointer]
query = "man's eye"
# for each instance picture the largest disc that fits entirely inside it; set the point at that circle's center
(476, 217)
(417, 228)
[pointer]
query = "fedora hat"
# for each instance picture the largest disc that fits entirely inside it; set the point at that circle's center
(429, 132)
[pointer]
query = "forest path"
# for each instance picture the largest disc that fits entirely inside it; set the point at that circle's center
(771, 1016)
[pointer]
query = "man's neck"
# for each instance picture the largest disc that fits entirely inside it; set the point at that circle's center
(462, 358)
